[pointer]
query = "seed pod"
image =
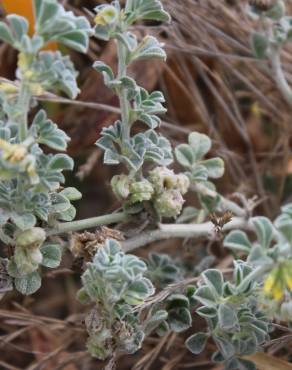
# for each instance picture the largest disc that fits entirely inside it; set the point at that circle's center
(32, 238)
(169, 203)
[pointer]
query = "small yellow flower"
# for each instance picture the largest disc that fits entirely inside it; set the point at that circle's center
(279, 280)
(31, 170)
(13, 153)
(8, 88)
(23, 61)
(278, 291)
(256, 110)
(107, 15)
(28, 74)
(18, 154)
(36, 89)
(269, 283)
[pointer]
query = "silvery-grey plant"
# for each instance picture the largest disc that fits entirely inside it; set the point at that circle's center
(30, 193)
(275, 31)
(119, 286)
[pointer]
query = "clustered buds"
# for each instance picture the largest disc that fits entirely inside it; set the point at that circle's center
(169, 203)
(169, 189)
(121, 186)
(18, 155)
(12, 153)
(106, 15)
(163, 179)
(27, 255)
(141, 191)
(163, 187)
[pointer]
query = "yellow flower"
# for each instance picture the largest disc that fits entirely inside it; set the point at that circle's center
(23, 61)
(106, 15)
(256, 110)
(28, 74)
(279, 280)
(36, 89)
(269, 283)
(8, 88)
(278, 291)
(13, 153)
(31, 171)
(288, 276)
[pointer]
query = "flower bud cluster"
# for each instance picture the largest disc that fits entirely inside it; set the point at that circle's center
(27, 255)
(163, 187)
(169, 191)
(18, 155)
(106, 15)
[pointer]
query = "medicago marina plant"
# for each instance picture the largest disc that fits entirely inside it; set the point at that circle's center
(130, 298)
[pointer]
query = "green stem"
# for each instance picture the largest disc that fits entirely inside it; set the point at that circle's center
(279, 75)
(88, 223)
(193, 231)
(225, 203)
(124, 104)
(23, 104)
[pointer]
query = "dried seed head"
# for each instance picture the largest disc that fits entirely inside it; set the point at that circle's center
(85, 245)
(262, 5)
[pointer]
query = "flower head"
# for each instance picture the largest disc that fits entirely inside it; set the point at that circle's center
(279, 281)
(12, 153)
(169, 204)
(8, 88)
(106, 15)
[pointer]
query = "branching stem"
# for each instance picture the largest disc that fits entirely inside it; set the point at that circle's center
(168, 231)
(88, 223)
(124, 104)
(23, 109)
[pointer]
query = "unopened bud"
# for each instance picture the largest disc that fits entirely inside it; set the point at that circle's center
(163, 179)
(121, 186)
(169, 203)
(106, 15)
(27, 260)
(32, 238)
(141, 191)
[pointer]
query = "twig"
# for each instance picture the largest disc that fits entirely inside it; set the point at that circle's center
(167, 231)
(87, 223)
(225, 204)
